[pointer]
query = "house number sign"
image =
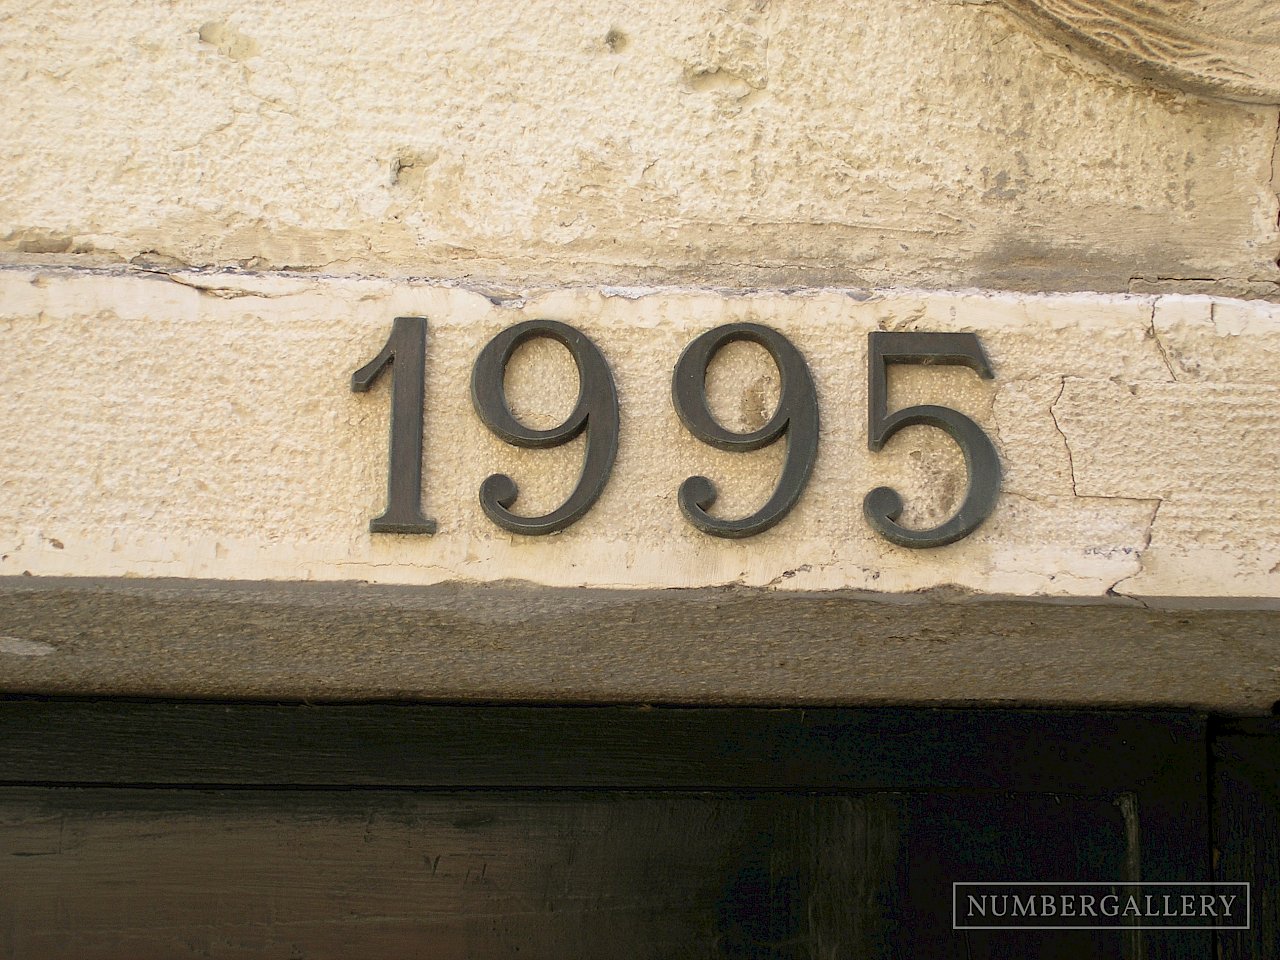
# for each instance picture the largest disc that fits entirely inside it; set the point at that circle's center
(595, 416)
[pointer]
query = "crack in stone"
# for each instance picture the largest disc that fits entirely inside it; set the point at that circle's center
(222, 293)
(1183, 278)
(788, 574)
(1155, 335)
(1053, 413)
(1156, 502)
(1275, 172)
(1114, 590)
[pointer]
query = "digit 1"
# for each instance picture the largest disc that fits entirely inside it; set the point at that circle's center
(406, 352)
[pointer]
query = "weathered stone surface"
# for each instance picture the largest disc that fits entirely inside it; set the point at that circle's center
(202, 425)
(502, 642)
(1206, 446)
(1235, 289)
(1227, 47)
(536, 144)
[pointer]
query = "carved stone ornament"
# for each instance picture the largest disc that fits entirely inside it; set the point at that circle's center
(1224, 48)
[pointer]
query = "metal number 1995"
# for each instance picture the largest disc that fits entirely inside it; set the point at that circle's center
(596, 415)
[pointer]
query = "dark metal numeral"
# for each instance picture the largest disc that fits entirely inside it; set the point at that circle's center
(596, 412)
(882, 506)
(406, 353)
(796, 416)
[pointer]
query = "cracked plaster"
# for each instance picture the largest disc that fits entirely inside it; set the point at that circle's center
(221, 440)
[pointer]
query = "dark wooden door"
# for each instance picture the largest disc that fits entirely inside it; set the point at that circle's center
(136, 830)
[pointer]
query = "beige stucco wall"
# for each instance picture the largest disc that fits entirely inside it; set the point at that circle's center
(918, 142)
(204, 427)
(211, 211)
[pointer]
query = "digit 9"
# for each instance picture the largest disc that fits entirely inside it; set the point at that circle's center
(796, 418)
(595, 413)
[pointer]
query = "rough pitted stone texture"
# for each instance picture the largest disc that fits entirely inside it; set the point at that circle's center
(202, 425)
(534, 144)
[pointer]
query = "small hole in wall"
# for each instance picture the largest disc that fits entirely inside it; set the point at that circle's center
(615, 40)
(1275, 709)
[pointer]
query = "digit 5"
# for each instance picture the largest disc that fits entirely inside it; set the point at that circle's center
(882, 506)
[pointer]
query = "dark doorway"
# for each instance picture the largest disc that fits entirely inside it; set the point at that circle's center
(182, 829)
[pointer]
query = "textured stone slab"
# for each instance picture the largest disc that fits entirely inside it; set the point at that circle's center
(189, 638)
(1227, 47)
(202, 425)
(737, 143)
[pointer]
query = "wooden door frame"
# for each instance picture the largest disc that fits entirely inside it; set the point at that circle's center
(1193, 779)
